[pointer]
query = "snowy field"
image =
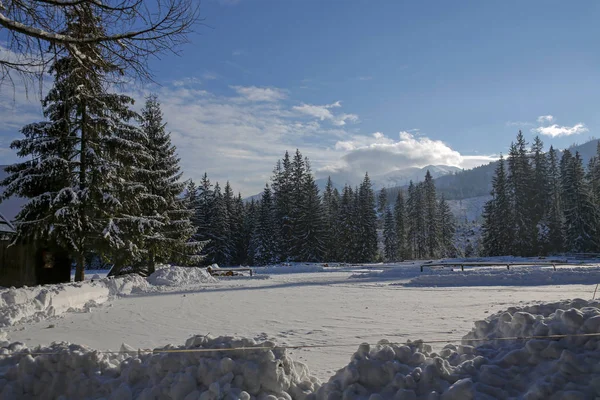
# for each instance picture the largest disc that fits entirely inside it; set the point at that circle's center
(342, 306)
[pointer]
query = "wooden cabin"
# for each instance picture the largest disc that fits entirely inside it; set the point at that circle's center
(30, 264)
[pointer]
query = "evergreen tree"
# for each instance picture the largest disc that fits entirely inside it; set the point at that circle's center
(331, 204)
(498, 216)
(237, 224)
(263, 244)
(348, 228)
(411, 222)
(581, 215)
(420, 225)
(202, 218)
(390, 239)
(170, 239)
(400, 226)
(554, 214)
(520, 180)
(446, 229)
(311, 224)
(366, 222)
(432, 227)
(252, 211)
(282, 193)
(218, 248)
(382, 203)
(298, 199)
(81, 176)
(540, 196)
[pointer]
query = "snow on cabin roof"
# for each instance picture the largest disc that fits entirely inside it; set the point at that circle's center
(5, 225)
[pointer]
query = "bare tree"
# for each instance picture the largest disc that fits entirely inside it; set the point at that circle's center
(133, 31)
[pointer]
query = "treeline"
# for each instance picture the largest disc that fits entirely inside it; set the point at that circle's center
(100, 179)
(542, 205)
(419, 225)
(292, 221)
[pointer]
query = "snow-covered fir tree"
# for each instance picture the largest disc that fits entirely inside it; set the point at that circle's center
(447, 229)
(262, 243)
(218, 248)
(498, 216)
(366, 222)
(581, 215)
(400, 226)
(331, 205)
(520, 181)
(554, 214)
(311, 223)
(390, 239)
(82, 168)
(169, 239)
(432, 227)
(540, 196)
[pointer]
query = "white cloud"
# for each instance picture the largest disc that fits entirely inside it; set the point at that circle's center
(237, 53)
(324, 113)
(555, 130)
(379, 154)
(518, 123)
(543, 119)
(253, 93)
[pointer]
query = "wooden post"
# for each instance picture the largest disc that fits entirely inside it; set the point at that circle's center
(508, 267)
(554, 266)
(421, 267)
(462, 268)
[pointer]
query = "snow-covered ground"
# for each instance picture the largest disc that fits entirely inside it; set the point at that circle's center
(296, 309)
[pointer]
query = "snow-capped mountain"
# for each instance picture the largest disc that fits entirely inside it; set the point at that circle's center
(402, 177)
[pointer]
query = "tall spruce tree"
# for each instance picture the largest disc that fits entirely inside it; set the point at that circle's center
(554, 215)
(581, 215)
(282, 194)
(348, 226)
(311, 224)
(170, 239)
(297, 201)
(331, 204)
(520, 180)
(263, 244)
(540, 196)
(498, 216)
(411, 222)
(400, 226)
(446, 229)
(82, 172)
(432, 227)
(218, 248)
(366, 221)
(390, 239)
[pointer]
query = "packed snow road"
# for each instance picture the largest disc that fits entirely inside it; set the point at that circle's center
(293, 309)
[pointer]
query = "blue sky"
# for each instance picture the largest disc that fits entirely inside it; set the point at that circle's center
(370, 85)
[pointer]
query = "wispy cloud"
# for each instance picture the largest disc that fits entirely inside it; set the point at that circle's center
(323, 112)
(545, 119)
(238, 52)
(365, 78)
(518, 123)
(253, 93)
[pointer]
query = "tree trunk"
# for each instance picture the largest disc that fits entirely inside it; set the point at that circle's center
(80, 269)
(151, 263)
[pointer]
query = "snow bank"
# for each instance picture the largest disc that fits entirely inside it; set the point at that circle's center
(291, 268)
(78, 372)
(517, 276)
(566, 368)
(180, 276)
(40, 302)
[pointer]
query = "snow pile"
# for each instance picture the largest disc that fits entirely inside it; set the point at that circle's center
(76, 372)
(567, 368)
(40, 302)
(292, 268)
(180, 276)
(517, 276)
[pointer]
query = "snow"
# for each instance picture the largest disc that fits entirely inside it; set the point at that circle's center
(28, 304)
(481, 367)
(78, 372)
(180, 276)
(531, 368)
(523, 276)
